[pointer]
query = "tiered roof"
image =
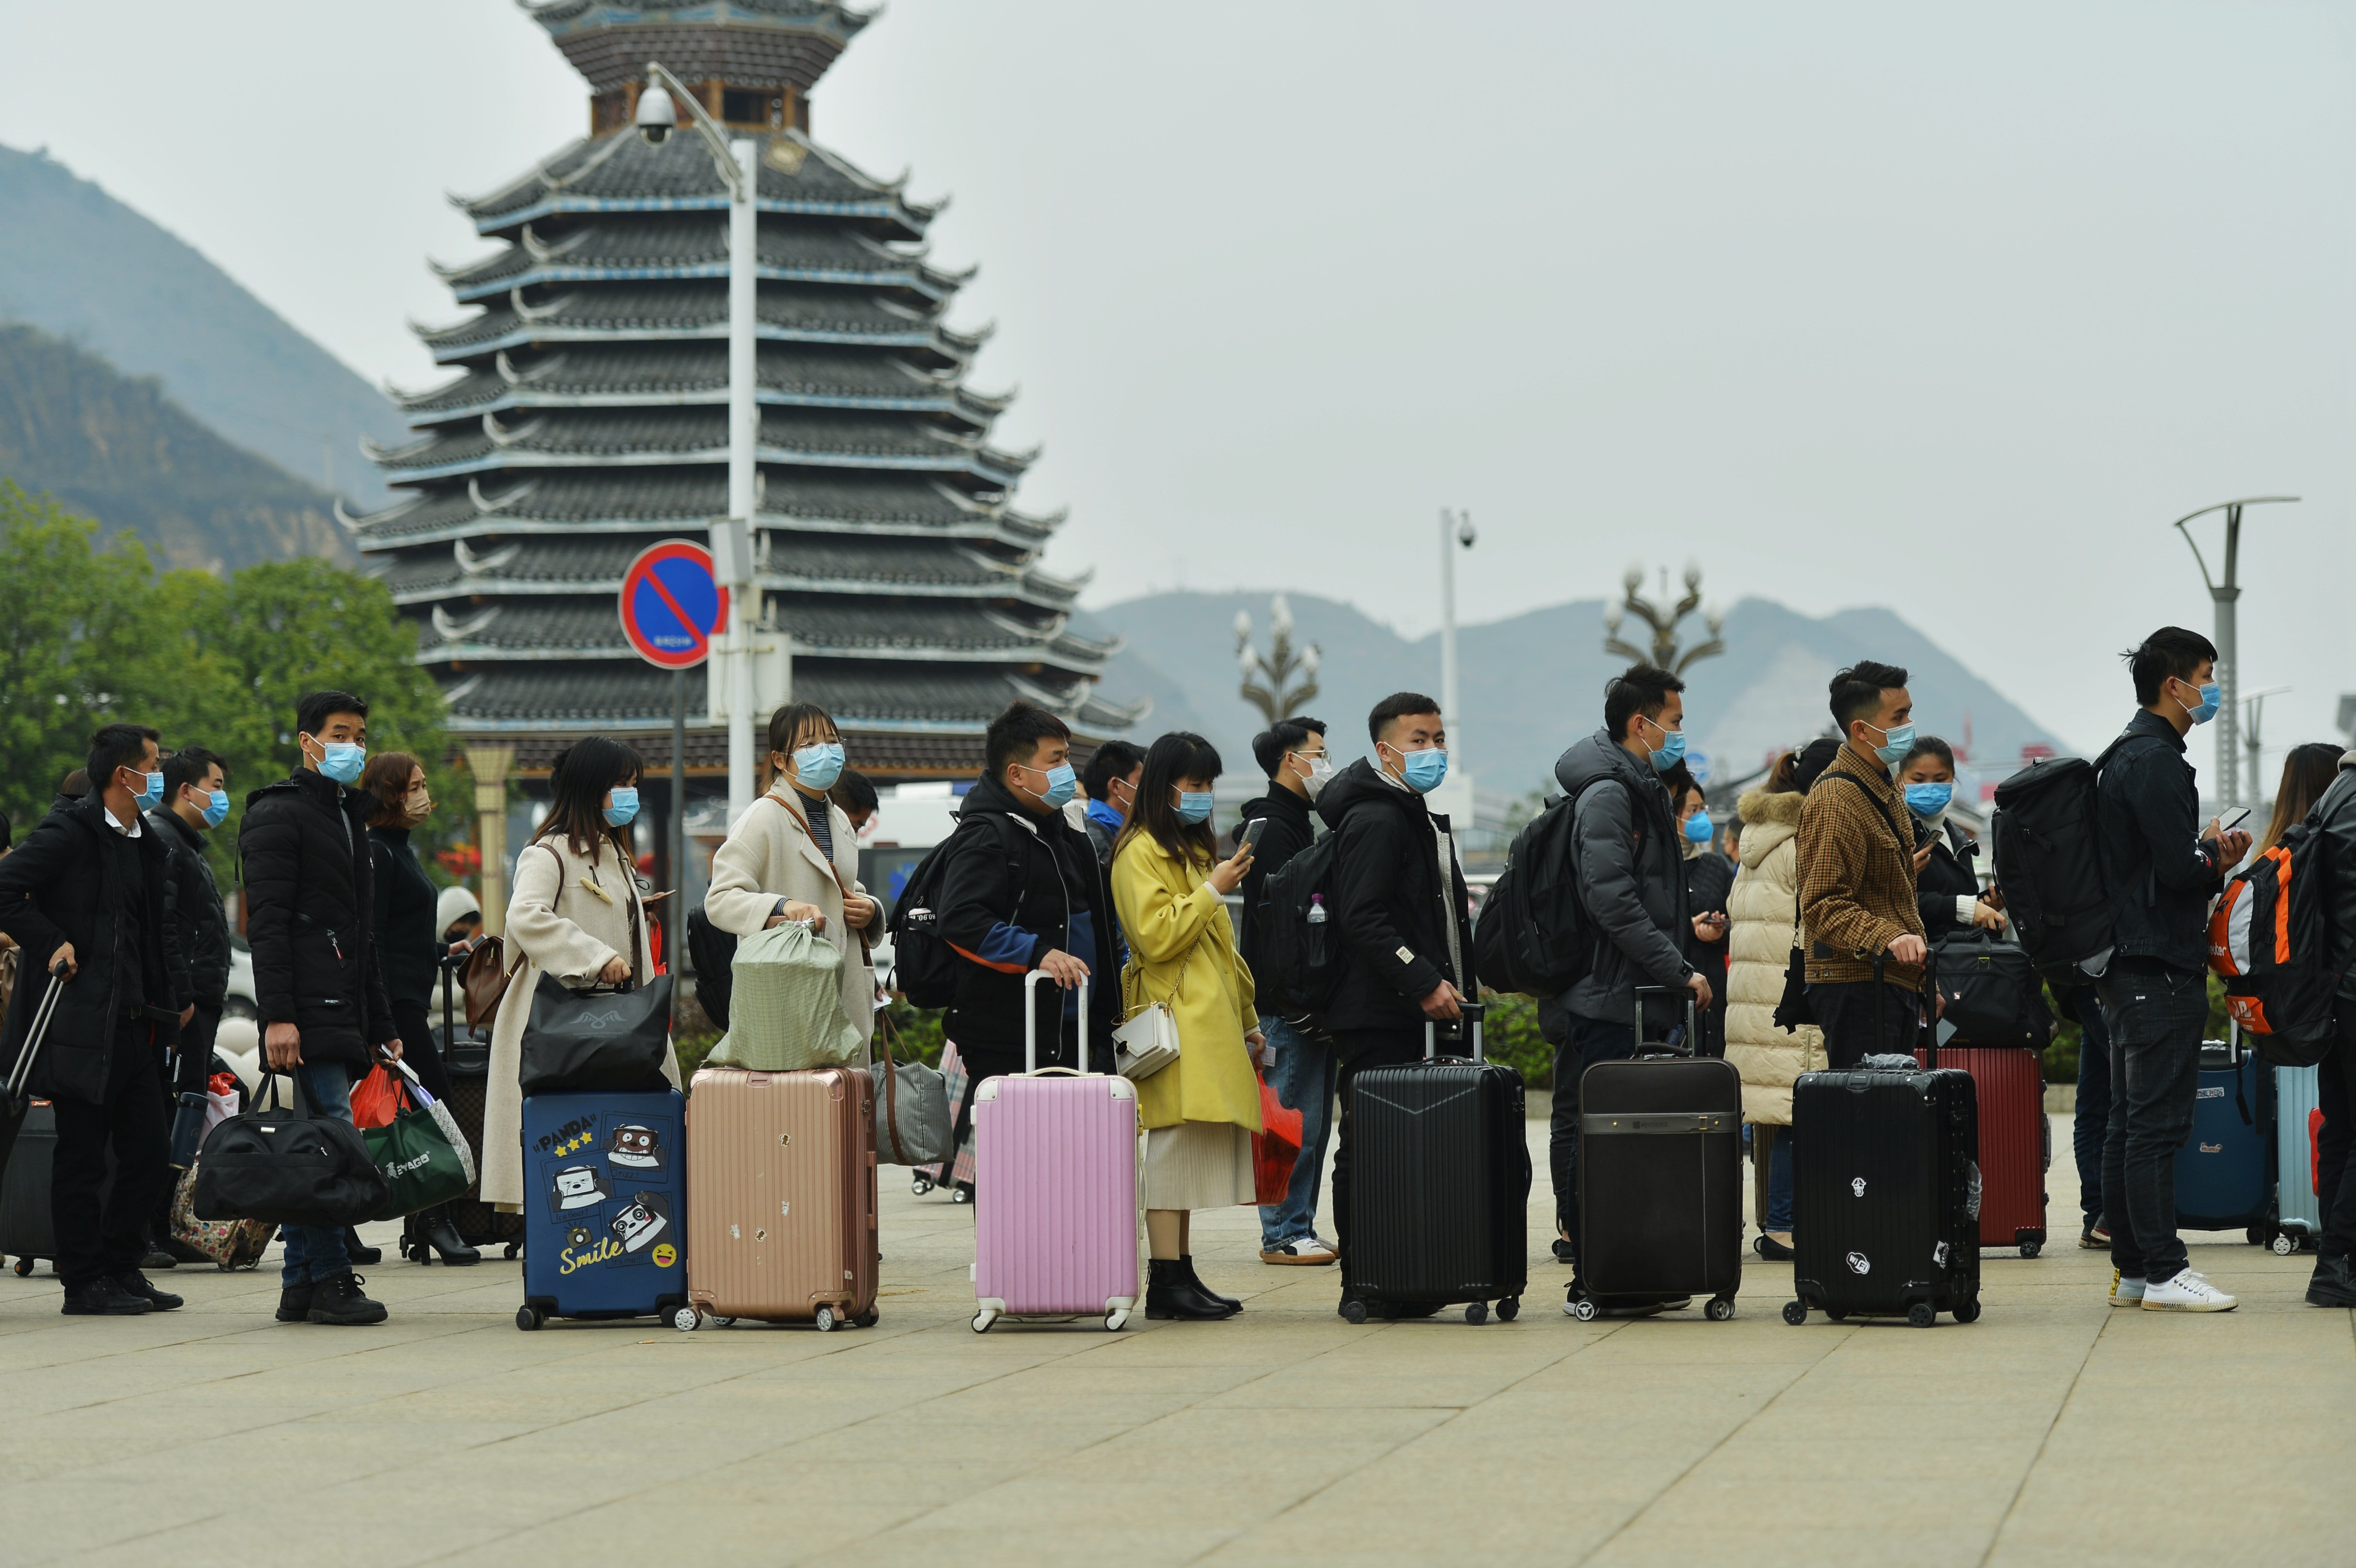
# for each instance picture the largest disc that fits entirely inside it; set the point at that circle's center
(585, 417)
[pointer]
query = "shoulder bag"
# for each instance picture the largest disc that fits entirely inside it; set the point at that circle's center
(270, 1164)
(601, 1039)
(913, 1102)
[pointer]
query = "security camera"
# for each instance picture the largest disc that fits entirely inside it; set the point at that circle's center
(658, 116)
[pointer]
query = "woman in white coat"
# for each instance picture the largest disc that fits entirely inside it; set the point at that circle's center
(794, 856)
(576, 913)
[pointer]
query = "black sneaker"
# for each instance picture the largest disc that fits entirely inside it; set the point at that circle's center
(338, 1299)
(136, 1284)
(295, 1303)
(103, 1297)
(1565, 1254)
(158, 1257)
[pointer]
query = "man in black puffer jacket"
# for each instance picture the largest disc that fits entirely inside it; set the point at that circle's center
(311, 908)
(1407, 938)
(195, 802)
(86, 891)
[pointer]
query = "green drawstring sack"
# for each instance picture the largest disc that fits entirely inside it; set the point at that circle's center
(785, 1014)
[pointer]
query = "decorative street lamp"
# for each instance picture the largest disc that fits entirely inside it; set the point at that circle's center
(731, 535)
(1662, 619)
(1268, 680)
(2229, 662)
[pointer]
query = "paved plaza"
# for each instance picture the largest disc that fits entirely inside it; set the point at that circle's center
(2055, 1431)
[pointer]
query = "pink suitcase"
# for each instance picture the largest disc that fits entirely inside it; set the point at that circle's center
(1056, 1184)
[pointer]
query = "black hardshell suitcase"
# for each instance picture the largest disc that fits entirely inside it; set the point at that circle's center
(1885, 1195)
(1660, 1177)
(467, 1064)
(1439, 1184)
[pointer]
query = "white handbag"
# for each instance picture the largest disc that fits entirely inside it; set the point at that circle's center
(1148, 1042)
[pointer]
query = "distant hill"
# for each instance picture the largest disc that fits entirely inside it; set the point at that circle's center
(118, 450)
(84, 267)
(1534, 683)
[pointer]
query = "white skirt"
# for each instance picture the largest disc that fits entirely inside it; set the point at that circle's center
(1199, 1165)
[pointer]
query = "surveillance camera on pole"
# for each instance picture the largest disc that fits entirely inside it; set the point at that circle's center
(658, 116)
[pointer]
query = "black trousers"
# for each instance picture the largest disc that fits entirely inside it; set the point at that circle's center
(96, 1238)
(1359, 1050)
(2335, 1170)
(420, 1049)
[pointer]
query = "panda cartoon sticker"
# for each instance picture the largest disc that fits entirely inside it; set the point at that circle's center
(634, 1145)
(580, 1187)
(645, 1220)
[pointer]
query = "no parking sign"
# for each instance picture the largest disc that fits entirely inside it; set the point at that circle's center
(672, 604)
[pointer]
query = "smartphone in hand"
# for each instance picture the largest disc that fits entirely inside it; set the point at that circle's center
(1250, 838)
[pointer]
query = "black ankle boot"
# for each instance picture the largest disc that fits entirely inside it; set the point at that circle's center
(442, 1236)
(1186, 1263)
(1170, 1293)
(359, 1252)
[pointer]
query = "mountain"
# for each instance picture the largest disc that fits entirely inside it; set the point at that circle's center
(1535, 682)
(82, 266)
(118, 450)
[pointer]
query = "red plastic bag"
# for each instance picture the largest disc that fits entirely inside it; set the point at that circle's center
(1276, 1149)
(377, 1098)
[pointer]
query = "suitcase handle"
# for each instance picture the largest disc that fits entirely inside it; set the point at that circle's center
(1476, 1012)
(1031, 1021)
(1692, 1017)
(35, 1034)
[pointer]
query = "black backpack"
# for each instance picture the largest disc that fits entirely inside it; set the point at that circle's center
(2049, 860)
(924, 966)
(1992, 992)
(712, 952)
(1300, 958)
(1533, 935)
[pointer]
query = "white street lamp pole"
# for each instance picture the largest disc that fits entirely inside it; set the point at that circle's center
(2225, 595)
(1455, 530)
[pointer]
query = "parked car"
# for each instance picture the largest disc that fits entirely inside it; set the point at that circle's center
(239, 1002)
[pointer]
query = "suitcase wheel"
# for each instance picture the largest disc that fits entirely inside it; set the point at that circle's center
(867, 1319)
(24, 1266)
(1922, 1315)
(826, 1319)
(1354, 1311)
(922, 1185)
(1969, 1310)
(984, 1319)
(685, 1318)
(1478, 1312)
(1115, 1320)
(513, 1248)
(723, 1322)
(2031, 1249)
(1796, 1313)
(2284, 1245)
(1719, 1310)
(960, 1193)
(1509, 1309)
(527, 1319)
(1579, 1306)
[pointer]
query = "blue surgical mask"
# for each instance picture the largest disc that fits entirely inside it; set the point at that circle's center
(819, 765)
(1699, 827)
(1670, 752)
(1422, 771)
(149, 798)
(624, 808)
(1895, 743)
(217, 811)
(1193, 805)
(1927, 800)
(342, 761)
(1062, 785)
(2211, 694)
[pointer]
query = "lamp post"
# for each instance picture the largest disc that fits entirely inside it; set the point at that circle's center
(731, 535)
(2228, 663)
(2253, 745)
(1455, 532)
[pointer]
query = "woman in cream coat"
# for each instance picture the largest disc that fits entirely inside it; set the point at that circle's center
(773, 869)
(572, 916)
(1170, 886)
(1761, 907)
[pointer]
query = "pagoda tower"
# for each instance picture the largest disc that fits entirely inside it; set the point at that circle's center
(586, 418)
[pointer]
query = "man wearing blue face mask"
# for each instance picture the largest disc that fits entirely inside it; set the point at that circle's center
(2162, 867)
(196, 926)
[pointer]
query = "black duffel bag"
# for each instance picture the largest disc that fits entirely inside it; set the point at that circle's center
(597, 1041)
(270, 1164)
(1993, 995)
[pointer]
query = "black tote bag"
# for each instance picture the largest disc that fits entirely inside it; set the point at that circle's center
(272, 1165)
(598, 1042)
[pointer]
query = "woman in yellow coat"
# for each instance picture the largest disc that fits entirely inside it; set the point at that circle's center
(1200, 1112)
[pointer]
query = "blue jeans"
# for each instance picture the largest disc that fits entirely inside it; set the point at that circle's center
(1303, 1081)
(1779, 1182)
(2157, 1015)
(2092, 1123)
(315, 1252)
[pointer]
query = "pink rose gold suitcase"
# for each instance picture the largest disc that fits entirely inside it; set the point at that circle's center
(781, 1197)
(1055, 1190)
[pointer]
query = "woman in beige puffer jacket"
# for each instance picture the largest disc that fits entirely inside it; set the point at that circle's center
(1761, 907)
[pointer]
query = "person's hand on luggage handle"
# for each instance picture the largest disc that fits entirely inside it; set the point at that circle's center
(1445, 1002)
(1228, 874)
(282, 1043)
(61, 962)
(858, 912)
(616, 970)
(1700, 984)
(1909, 948)
(796, 910)
(1987, 917)
(1063, 968)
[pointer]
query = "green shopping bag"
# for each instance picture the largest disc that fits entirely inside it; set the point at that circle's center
(421, 1151)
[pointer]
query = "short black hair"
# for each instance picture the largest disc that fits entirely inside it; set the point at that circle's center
(1014, 735)
(1274, 744)
(1815, 758)
(1857, 691)
(1113, 759)
(1928, 746)
(2170, 653)
(1397, 705)
(187, 766)
(313, 710)
(116, 746)
(855, 792)
(1640, 688)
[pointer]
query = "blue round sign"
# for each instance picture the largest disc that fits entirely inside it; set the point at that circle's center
(672, 604)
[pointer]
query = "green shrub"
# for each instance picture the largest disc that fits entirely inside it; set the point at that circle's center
(1511, 1037)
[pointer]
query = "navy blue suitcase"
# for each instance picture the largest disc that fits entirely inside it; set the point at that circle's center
(604, 1206)
(2224, 1172)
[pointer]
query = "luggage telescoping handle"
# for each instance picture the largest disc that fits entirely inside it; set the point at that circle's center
(1475, 1013)
(22, 1072)
(1031, 1021)
(1693, 1016)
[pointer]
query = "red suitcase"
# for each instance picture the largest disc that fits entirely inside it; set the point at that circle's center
(2014, 1139)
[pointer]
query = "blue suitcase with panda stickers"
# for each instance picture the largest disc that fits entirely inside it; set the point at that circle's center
(606, 1212)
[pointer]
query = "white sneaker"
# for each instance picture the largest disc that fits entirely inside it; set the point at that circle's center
(2188, 1291)
(2126, 1292)
(1303, 1249)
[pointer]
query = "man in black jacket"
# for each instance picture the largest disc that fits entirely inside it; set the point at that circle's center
(1400, 909)
(196, 799)
(1291, 752)
(84, 895)
(1022, 891)
(2334, 1280)
(310, 913)
(2162, 868)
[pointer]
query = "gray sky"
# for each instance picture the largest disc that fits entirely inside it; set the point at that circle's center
(1950, 308)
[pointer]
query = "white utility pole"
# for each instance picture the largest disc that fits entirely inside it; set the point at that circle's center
(1455, 531)
(744, 441)
(2225, 594)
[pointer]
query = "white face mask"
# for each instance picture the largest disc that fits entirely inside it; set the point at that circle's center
(1320, 773)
